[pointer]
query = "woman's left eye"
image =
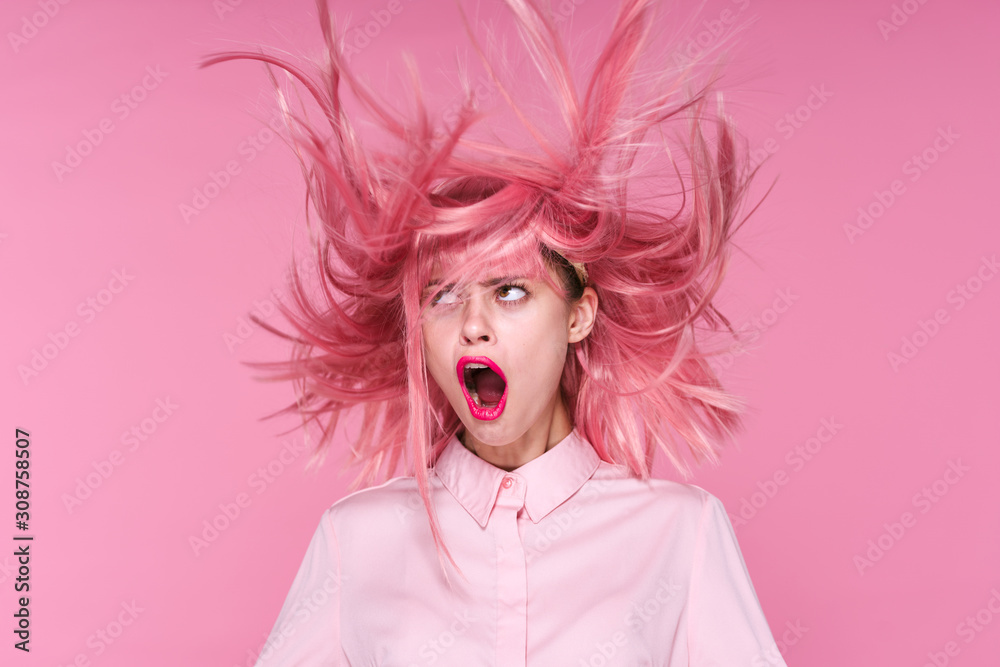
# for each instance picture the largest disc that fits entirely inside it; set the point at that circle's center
(511, 293)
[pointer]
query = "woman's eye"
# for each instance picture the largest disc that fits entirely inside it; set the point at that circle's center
(444, 297)
(511, 293)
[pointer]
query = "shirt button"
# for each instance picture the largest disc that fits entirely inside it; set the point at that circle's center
(507, 482)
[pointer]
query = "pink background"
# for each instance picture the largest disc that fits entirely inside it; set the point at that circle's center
(166, 334)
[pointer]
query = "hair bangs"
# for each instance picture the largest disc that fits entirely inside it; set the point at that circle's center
(486, 260)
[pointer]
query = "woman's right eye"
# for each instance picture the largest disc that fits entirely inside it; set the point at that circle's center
(444, 298)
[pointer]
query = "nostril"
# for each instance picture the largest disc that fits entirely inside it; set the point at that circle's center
(482, 338)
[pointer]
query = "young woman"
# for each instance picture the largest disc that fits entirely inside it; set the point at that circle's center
(517, 326)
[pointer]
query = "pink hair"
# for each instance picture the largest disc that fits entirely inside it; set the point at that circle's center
(639, 382)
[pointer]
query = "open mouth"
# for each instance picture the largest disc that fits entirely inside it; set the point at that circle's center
(484, 386)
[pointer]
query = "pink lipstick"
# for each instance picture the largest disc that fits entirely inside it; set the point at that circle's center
(484, 386)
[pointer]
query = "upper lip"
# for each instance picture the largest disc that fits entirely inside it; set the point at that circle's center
(486, 361)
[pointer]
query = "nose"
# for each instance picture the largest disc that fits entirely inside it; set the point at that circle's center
(476, 325)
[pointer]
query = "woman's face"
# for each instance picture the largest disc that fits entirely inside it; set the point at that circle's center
(497, 347)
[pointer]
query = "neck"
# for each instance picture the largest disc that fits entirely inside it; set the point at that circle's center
(540, 438)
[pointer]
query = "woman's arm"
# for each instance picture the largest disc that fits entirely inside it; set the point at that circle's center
(727, 626)
(307, 631)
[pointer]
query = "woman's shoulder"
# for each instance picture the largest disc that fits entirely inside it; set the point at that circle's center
(683, 497)
(391, 501)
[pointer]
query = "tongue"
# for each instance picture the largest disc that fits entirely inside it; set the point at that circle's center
(489, 385)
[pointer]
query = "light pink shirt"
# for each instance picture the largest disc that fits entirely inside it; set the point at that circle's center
(569, 561)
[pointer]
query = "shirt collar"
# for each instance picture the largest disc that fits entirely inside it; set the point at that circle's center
(549, 479)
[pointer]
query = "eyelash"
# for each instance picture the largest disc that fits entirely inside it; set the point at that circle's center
(435, 300)
(514, 285)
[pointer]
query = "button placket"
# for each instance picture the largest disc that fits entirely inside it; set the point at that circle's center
(512, 583)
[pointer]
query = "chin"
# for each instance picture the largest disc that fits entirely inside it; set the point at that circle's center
(495, 433)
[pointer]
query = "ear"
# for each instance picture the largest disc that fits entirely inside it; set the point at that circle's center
(582, 315)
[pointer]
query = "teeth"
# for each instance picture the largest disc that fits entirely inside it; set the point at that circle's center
(470, 386)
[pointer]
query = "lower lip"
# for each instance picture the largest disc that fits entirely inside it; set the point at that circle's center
(483, 413)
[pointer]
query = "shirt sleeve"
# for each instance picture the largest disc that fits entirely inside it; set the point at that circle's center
(307, 631)
(727, 627)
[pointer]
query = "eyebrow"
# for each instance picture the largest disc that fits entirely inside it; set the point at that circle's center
(492, 282)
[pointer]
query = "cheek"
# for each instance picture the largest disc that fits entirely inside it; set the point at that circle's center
(541, 356)
(557, 334)
(436, 357)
